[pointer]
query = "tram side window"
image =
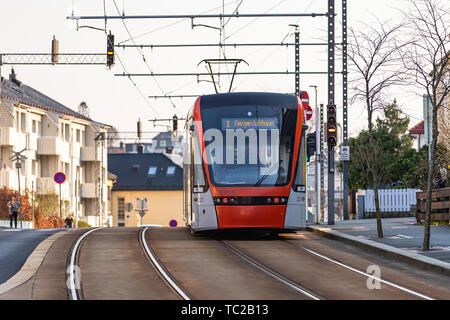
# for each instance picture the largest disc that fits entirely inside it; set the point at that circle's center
(199, 178)
(300, 175)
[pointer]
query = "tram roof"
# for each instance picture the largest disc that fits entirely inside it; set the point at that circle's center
(249, 98)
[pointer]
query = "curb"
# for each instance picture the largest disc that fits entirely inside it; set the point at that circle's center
(384, 250)
(31, 265)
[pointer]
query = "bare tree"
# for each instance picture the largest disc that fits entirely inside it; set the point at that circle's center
(426, 60)
(375, 66)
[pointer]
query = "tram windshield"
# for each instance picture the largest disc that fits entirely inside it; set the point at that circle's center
(249, 145)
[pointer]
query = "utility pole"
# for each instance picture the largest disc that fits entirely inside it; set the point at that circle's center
(32, 203)
(345, 103)
(18, 157)
(331, 106)
(317, 172)
(322, 166)
(297, 59)
(76, 197)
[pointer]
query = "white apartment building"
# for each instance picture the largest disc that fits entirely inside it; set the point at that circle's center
(55, 139)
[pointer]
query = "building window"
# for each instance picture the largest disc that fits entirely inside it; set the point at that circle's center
(34, 126)
(78, 135)
(140, 203)
(162, 143)
(17, 121)
(121, 212)
(33, 167)
(171, 170)
(67, 132)
(152, 171)
(23, 122)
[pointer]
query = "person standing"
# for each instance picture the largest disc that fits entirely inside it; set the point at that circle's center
(69, 221)
(13, 207)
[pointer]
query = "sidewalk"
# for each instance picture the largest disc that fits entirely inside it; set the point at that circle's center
(403, 239)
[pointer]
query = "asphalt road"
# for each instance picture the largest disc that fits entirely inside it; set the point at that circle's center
(16, 246)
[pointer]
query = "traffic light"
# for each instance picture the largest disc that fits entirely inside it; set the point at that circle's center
(175, 125)
(110, 50)
(310, 145)
(331, 126)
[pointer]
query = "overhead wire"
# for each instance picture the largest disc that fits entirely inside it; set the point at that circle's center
(125, 70)
(171, 24)
(267, 11)
(144, 58)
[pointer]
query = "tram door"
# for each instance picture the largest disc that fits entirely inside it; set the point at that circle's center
(188, 153)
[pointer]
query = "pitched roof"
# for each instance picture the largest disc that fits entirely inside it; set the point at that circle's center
(132, 171)
(167, 135)
(418, 128)
(15, 91)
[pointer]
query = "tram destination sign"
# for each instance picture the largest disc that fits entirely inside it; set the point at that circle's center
(249, 123)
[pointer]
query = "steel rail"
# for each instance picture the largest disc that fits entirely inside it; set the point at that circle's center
(74, 255)
(272, 273)
(161, 269)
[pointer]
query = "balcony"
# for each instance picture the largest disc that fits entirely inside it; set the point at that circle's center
(90, 154)
(53, 146)
(88, 191)
(8, 179)
(46, 186)
(7, 136)
(32, 141)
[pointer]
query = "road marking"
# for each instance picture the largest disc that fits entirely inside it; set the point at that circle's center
(364, 273)
(403, 236)
(161, 270)
(72, 286)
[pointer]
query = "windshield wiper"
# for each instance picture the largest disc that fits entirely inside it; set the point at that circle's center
(267, 174)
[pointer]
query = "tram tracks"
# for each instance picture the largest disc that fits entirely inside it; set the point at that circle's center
(340, 264)
(301, 288)
(160, 268)
(253, 254)
(270, 272)
(73, 274)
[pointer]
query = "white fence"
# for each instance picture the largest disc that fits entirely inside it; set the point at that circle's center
(391, 200)
(26, 224)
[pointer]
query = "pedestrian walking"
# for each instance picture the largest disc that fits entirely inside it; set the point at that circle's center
(13, 207)
(69, 221)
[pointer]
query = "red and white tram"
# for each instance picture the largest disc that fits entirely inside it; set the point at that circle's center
(245, 163)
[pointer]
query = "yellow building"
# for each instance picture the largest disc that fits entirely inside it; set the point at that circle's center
(148, 183)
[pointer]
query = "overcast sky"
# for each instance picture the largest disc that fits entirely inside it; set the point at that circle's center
(28, 26)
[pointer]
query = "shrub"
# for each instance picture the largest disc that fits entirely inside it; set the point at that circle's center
(41, 220)
(83, 224)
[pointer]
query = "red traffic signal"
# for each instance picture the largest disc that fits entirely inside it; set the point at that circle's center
(331, 126)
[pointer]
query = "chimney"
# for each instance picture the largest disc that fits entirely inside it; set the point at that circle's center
(13, 78)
